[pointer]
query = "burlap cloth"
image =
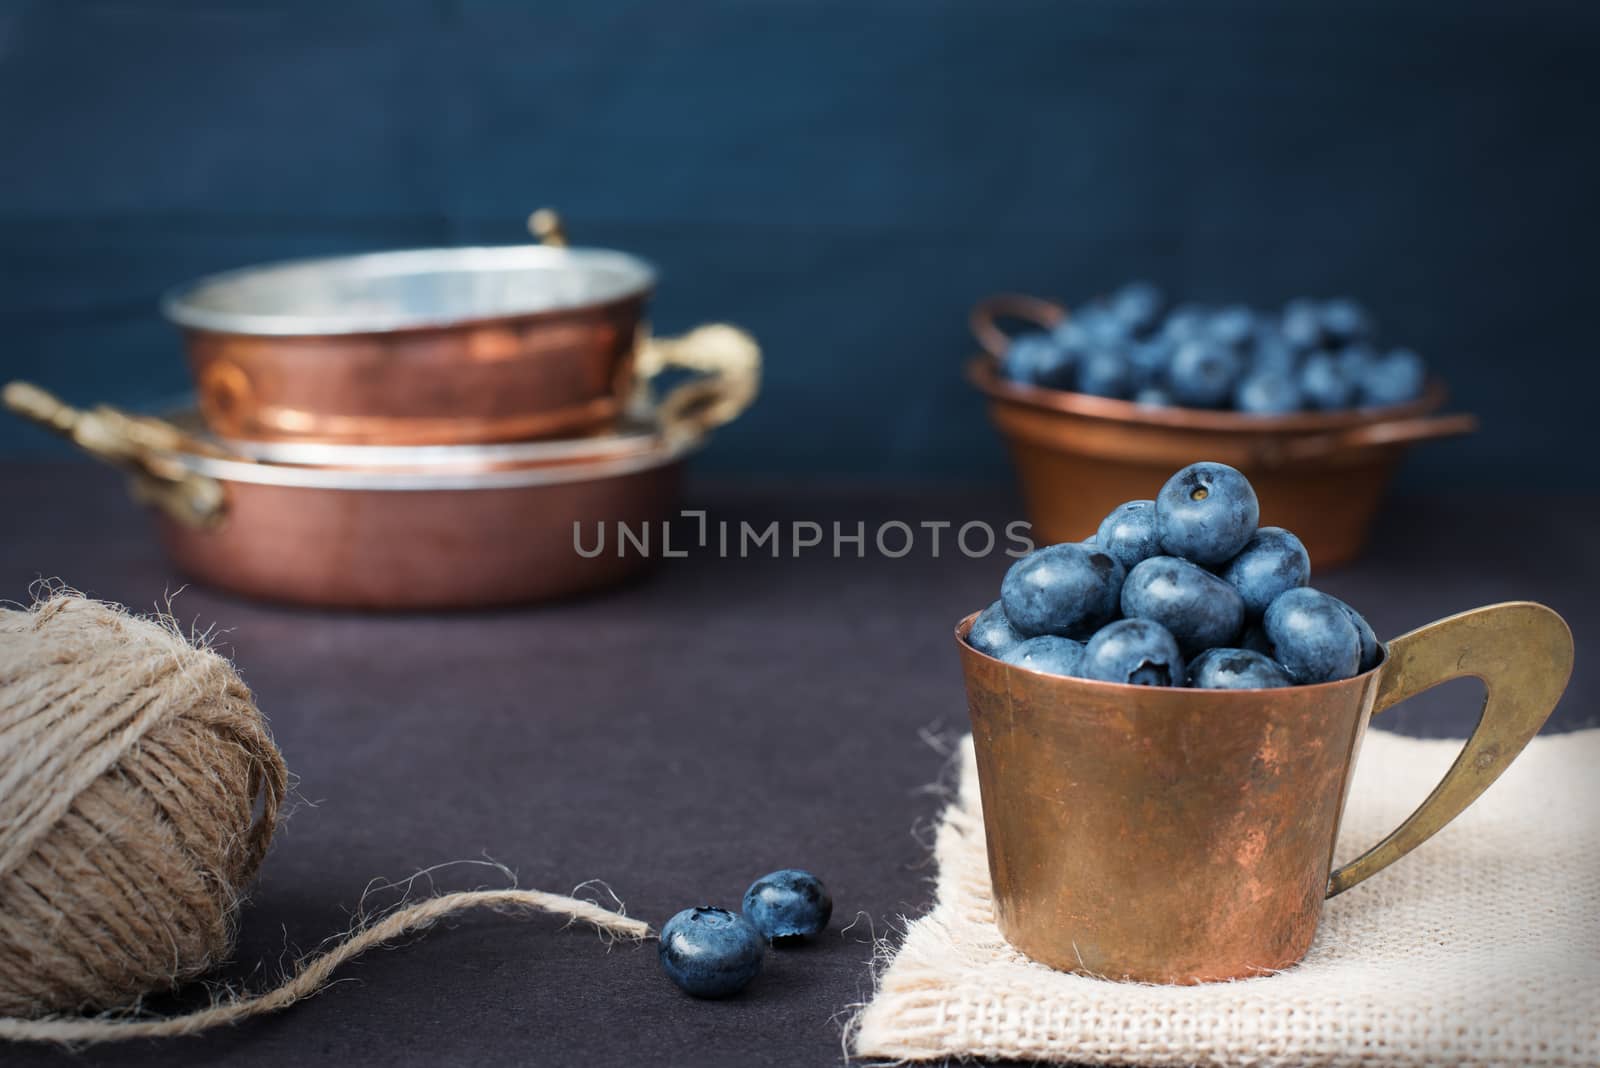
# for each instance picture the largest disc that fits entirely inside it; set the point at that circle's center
(1481, 948)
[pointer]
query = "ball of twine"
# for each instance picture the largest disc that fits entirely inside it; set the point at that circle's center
(139, 791)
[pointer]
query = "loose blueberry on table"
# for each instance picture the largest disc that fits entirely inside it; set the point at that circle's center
(711, 952)
(1311, 356)
(788, 904)
(1206, 599)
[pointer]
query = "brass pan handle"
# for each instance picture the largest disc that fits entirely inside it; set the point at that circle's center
(547, 228)
(1523, 653)
(138, 446)
(729, 360)
(983, 319)
(727, 357)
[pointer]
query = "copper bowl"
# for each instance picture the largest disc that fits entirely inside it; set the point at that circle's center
(1321, 475)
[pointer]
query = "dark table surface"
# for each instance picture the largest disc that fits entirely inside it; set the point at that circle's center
(676, 738)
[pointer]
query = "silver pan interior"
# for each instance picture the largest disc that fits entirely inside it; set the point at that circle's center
(383, 291)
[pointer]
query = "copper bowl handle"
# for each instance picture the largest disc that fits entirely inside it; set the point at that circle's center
(729, 361)
(1375, 435)
(984, 315)
(136, 445)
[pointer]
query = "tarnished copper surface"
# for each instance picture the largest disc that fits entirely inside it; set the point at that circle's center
(1185, 836)
(422, 549)
(548, 375)
(1320, 474)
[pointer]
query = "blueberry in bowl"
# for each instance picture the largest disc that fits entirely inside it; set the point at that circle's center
(1196, 607)
(1047, 654)
(1313, 638)
(1313, 356)
(1206, 513)
(1271, 562)
(992, 632)
(1137, 652)
(1236, 669)
(1185, 591)
(1070, 590)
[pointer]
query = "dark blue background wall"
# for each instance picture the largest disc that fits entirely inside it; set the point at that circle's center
(842, 176)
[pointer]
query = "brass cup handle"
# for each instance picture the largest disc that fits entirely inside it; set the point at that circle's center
(729, 362)
(139, 446)
(985, 316)
(1523, 653)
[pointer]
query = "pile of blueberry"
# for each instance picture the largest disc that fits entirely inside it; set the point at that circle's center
(1183, 590)
(1314, 356)
(712, 953)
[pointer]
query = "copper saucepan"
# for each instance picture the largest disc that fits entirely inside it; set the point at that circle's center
(1320, 474)
(428, 346)
(416, 528)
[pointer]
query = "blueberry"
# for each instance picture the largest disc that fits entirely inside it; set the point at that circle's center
(1353, 361)
(1236, 669)
(1186, 323)
(992, 632)
(1137, 304)
(1206, 513)
(1272, 561)
(1154, 397)
(1344, 321)
(1273, 352)
(1100, 327)
(710, 952)
(1105, 373)
(1233, 327)
(1148, 362)
(1255, 639)
(1129, 532)
(1071, 336)
(1312, 637)
(1070, 590)
(1203, 374)
(1371, 648)
(1393, 379)
(1195, 606)
(1268, 392)
(1323, 383)
(1037, 360)
(788, 904)
(1134, 651)
(1301, 324)
(1047, 654)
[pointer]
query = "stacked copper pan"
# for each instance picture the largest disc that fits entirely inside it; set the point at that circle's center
(419, 429)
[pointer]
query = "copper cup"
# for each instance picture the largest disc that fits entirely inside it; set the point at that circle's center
(1186, 836)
